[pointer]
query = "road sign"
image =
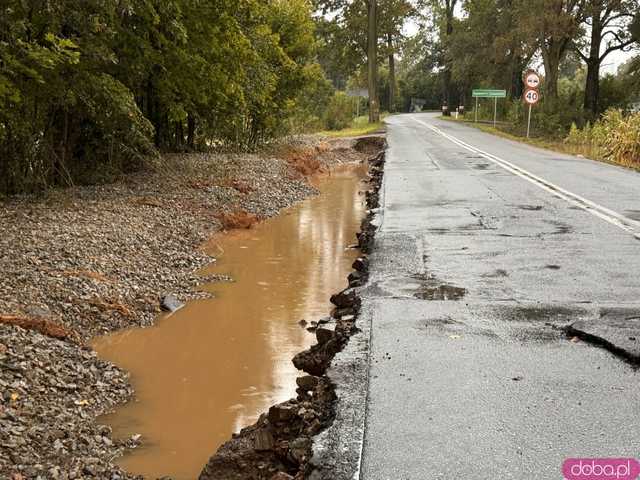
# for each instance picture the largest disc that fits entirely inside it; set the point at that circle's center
(532, 79)
(358, 92)
(531, 96)
(482, 93)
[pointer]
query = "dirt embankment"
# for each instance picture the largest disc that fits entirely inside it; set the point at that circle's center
(279, 445)
(90, 260)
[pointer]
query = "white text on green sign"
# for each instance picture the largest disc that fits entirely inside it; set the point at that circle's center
(489, 93)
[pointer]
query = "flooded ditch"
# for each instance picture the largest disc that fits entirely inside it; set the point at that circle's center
(212, 367)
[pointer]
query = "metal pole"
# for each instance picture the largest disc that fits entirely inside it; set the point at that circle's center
(495, 111)
(476, 109)
(529, 122)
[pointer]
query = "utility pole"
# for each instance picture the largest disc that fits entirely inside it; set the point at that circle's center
(392, 74)
(372, 54)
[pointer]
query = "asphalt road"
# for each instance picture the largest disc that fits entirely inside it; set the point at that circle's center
(487, 248)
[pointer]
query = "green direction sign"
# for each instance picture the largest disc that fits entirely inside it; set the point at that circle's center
(489, 94)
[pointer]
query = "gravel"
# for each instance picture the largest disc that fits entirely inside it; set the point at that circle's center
(97, 259)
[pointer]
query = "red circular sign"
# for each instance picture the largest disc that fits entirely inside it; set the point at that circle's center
(531, 96)
(532, 79)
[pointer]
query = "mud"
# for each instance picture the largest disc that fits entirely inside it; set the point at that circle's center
(215, 365)
(279, 445)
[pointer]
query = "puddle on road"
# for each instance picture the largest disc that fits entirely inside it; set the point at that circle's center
(441, 292)
(214, 366)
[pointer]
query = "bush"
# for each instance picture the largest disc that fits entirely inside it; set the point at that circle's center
(620, 137)
(614, 137)
(340, 112)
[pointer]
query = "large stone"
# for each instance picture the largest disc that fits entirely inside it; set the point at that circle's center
(263, 440)
(169, 303)
(345, 299)
(299, 449)
(307, 382)
(282, 413)
(323, 335)
(356, 279)
(361, 264)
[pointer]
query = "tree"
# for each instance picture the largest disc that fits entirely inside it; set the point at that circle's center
(89, 88)
(350, 37)
(372, 60)
(604, 18)
(444, 13)
(553, 25)
(393, 15)
(484, 49)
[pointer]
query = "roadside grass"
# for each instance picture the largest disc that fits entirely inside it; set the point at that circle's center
(553, 144)
(359, 126)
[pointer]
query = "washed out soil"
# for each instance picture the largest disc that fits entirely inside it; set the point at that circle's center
(279, 445)
(85, 261)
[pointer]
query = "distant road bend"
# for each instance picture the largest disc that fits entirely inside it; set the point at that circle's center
(488, 248)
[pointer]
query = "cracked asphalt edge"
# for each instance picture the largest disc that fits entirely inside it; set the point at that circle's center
(338, 450)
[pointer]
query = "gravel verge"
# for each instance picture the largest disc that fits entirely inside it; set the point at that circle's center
(86, 261)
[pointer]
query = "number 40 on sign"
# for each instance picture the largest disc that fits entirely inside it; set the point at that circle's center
(532, 96)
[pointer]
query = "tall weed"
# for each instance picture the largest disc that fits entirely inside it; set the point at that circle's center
(615, 137)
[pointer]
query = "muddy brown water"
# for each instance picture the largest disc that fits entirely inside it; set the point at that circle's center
(213, 367)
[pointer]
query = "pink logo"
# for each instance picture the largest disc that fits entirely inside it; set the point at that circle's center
(601, 469)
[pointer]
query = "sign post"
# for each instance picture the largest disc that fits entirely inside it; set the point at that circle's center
(531, 97)
(531, 94)
(476, 110)
(495, 94)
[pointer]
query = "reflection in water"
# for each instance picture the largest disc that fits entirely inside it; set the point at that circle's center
(214, 366)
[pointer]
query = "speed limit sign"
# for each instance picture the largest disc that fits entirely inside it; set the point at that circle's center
(532, 80)
(531, 96)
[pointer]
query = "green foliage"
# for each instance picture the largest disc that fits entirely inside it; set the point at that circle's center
(340, 111)
(92, 87)
(615, 137)
(312, 101)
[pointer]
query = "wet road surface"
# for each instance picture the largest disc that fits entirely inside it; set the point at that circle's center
(487, 248)
(215, 365)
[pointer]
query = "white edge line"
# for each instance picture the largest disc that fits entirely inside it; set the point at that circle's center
(625, 223)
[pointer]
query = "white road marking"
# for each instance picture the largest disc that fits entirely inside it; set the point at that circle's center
(625, 223)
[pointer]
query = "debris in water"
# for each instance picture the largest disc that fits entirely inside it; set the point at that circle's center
(170, 303)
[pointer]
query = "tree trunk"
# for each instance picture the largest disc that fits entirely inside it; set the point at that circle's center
(372, 54)
(446, 80)
(191, 132)
(592, 87)
(59, 163)
(450, 5)
(392, 75)
(179, 136)
(551, 60)
(517, 86)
